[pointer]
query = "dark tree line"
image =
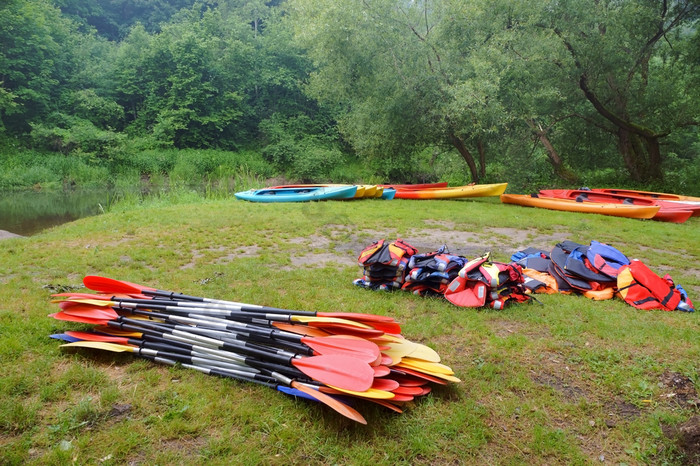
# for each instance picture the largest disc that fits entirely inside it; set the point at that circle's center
(578, 84)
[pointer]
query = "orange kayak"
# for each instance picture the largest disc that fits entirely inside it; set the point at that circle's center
(570, 205)
(416, 186)
(670, 211)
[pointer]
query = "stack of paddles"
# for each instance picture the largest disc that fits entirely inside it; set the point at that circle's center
(327, 357)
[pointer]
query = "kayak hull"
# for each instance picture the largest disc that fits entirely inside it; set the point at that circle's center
(404, 187)
(476, 190)
(649, 194)
(670, 211)
(569, 205)
(363, 190)
(297, 194)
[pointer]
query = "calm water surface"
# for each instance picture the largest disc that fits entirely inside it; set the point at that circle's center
(29, 212)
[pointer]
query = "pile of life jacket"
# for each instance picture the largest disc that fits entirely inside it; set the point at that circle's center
(599, 271)
(466, 283)
(384, 264)
(431, 273)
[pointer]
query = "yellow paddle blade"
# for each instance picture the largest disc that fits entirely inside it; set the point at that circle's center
(449, 378)
(397, 350)
(388, 338)
(94, 302)
(427, 366)
(102, 345)
(425, 353)
(371, 393)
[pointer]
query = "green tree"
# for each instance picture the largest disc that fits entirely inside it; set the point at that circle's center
(406, 74)
(113, 19)
(627, 60)
(36, 61)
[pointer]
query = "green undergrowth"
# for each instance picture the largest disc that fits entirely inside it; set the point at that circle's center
(563, 380)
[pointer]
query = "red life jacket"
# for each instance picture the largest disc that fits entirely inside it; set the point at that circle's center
(643, 289)
(482, 282)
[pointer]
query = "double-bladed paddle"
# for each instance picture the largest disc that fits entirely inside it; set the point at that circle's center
(110, 285)
(333, 369)
(359, 348)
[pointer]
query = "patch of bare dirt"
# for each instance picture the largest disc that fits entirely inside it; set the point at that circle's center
(186, 445)
(619, 410)
(504, 328)
(679, 389)
(560, 385)
(687, 438)
(321, 260)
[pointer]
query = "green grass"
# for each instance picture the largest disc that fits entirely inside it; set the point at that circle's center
(567, 381)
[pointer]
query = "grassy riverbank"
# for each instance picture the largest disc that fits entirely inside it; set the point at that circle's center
(565, 381)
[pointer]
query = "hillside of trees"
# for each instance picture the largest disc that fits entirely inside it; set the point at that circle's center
(542, 92)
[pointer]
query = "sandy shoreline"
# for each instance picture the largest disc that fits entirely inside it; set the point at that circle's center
(6, 234)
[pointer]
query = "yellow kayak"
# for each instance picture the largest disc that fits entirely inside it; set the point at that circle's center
(472, 190)
(570, 205)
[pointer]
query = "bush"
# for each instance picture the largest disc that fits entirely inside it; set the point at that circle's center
(281, 154)
(82, 138)
(316, 163)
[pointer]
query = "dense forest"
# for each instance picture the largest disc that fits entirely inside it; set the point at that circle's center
(543, 92)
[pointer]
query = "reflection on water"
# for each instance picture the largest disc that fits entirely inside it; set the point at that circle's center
(28, 212)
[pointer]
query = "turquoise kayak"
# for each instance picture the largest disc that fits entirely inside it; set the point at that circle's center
(298, 194)
(388, 193)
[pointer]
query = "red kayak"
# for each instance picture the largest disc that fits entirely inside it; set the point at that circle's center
(669, 211)
(649, 195)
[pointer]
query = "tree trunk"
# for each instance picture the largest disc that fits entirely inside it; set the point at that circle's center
(466, 155)
(560, 169)
(482, 158)
(641, 155)
(639, 146)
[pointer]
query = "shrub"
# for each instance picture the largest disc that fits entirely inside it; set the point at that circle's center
(316, 163)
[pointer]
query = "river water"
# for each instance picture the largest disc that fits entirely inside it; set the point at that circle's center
(26, 213)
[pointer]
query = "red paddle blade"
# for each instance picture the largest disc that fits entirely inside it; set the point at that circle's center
(84, 320)
(343, 329)
(338, 406)
(364, 350)
(421, 375)
(116, 331)
(91, 312)
(386, 327)
(110, 285)
(97, 337)
(412, 391)
(337, 370)
(107, 297)
(381, 371)
(385, 384)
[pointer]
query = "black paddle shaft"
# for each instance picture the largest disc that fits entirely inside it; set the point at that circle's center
(172, 297)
